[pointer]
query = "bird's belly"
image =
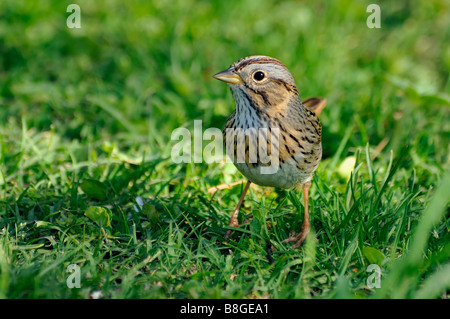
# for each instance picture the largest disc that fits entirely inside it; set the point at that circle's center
(287, 175)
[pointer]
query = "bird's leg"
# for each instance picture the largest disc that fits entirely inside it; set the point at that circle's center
(300, 238)
(234, 217)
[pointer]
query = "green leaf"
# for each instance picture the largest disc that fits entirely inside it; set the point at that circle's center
(373, 255)
(94, 189)
(345, 169)
(44, 224)
(100, 215)
(151, 213)
(27, 247)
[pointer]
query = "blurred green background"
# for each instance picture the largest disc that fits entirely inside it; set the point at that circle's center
(98, 99)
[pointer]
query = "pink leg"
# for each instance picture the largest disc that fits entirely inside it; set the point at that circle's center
(300, 238)
(234, 217)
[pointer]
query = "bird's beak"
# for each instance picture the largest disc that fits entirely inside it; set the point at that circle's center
(228, 76)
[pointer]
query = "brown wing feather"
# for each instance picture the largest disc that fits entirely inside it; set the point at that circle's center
(315, 104)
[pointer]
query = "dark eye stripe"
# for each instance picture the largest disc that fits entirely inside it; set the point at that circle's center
(289, 87)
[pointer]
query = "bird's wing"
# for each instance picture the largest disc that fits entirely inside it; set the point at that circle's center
(315, 104)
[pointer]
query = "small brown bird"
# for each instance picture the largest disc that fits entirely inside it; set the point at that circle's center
(273, 138)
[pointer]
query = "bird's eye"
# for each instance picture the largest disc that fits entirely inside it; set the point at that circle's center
(259, 75)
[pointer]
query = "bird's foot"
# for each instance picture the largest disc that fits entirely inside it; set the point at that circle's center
(234, 223)
(298, 239)
(247, 221)
(228, 232)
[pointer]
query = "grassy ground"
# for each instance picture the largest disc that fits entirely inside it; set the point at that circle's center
(86, 117)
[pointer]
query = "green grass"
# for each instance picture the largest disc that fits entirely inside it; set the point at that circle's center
(86, 117)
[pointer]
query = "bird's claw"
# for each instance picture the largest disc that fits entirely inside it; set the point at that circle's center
(297, 239)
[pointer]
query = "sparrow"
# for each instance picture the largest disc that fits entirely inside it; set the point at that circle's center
(272, 137)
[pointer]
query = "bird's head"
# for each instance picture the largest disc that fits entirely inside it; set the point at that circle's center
(261, 79)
